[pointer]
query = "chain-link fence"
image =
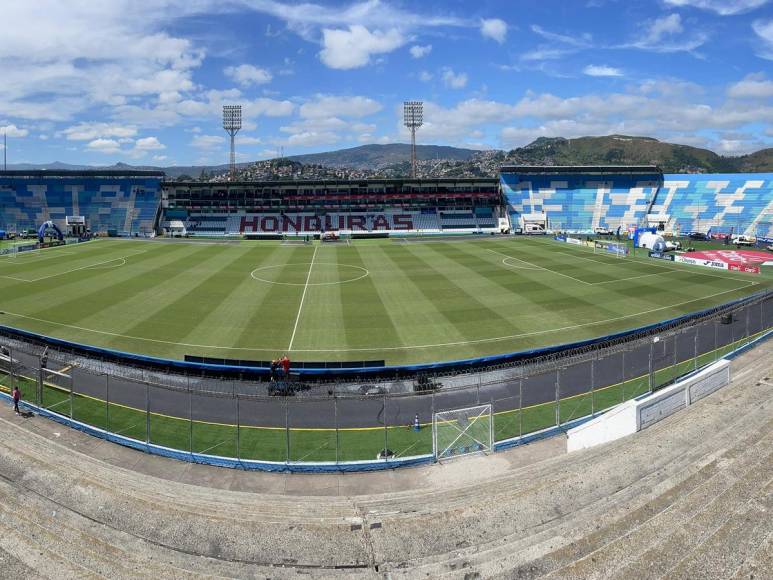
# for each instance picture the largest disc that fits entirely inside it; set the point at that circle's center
(237, 420)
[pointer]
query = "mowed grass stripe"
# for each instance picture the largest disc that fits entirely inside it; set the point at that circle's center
(413, 313)
(366, 317)
(99, 290)
(44, 273)
(41, 260)
(538, 299)
(228, 315)
(320, 321)
(208, 282)
(461, 298)
(74, 300)
(269, 321)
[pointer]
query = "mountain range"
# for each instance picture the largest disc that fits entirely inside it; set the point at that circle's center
(607, 150)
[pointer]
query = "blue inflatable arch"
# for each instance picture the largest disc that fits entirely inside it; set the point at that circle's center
(49, 225)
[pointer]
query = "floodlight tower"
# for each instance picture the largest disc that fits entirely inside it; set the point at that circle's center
(232, 122)
(413, 118)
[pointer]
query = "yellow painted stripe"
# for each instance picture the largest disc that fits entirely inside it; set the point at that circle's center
(333, 430)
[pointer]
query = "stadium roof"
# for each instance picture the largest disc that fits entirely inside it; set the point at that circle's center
(580, 169)
(82, 173)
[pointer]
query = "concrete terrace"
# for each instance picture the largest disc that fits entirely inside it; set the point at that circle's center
(688, 498)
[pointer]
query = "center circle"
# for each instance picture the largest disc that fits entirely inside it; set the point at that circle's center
(297, 274)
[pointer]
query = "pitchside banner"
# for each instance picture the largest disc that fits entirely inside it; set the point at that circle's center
(735, 260)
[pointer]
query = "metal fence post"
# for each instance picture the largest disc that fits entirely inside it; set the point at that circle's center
(747, 322)
(147, 414)
(593, 385)
(71, 389)
(287, 430)
(695, 348)
(190, 419)
(650, 377)
(716, 340)
(12, 381)
(335, 418)
(386, 433)
(238, 429)
(622, 375)
(558, 399)
(520, 406)
(107, 405)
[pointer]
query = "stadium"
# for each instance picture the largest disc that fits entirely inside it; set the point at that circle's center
(148, 311)
(548, 312)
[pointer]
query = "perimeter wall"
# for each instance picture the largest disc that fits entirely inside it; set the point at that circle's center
(235, 423)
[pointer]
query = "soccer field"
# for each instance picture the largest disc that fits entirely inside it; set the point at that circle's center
(400, 301)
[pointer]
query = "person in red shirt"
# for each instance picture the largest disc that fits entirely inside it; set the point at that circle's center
(16, 397)
(285, 362)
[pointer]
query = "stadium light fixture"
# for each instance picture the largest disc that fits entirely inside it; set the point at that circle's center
(413, 118)
(232, 122)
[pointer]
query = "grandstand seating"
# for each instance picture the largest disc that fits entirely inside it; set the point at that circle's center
(582, 202)
(742, 203)
(124, 204)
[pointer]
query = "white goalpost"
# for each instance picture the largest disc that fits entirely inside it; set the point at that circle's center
(460, 432)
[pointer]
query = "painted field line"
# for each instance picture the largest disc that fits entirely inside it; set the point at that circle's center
(636, 277)
(77, 269)
(540, 267)
(35, 253)
(381, 428)
(650, 262)
(387, 348)
(303, 297)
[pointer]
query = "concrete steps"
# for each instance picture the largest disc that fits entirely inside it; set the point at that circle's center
(689, 497)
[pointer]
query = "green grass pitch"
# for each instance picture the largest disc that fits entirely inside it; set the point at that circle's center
(404, 302)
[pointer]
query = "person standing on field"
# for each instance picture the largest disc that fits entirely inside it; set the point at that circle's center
(16, 397)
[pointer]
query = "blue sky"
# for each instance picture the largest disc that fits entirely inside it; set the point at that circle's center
(143, 81)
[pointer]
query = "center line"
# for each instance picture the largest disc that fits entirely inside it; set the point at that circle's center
(303, 297)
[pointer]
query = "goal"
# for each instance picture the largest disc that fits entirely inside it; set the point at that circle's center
(617, 249)
(460, 432)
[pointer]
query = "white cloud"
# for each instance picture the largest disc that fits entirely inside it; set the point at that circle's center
(89, 54)
(764, 31)
(752, 87)
(331, 106)
(425, 76)
(148, 144)
(454, 80)
(583, 40)
(418, 51)
(108, 146)
(311, 139)
(593, 70)
(207, 141)
(247, 74)
(91, 131)
(13, 131)
(160, 158)
(247, 140)
(353, 48)
(721, 7)
(495, 29)
(665, 35)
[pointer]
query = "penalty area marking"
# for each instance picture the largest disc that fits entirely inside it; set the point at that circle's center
(307, 283)
(96, 266)
(536, 267)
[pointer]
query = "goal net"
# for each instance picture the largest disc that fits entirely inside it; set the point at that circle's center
(462, 432)
(616, 249)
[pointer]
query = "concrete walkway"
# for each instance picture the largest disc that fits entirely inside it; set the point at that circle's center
(690, 497)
